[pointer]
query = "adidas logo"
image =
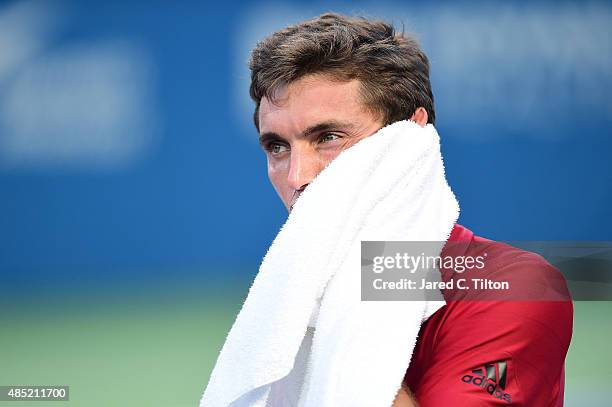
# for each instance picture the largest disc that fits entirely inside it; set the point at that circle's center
(490, 378)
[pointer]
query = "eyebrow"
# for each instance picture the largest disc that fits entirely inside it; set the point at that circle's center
(317, 128)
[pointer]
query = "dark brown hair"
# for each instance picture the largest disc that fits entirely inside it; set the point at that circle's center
(392, 68)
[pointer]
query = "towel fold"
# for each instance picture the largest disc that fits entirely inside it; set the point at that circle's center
(303, 336)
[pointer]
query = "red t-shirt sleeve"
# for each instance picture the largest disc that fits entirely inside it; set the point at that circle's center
(486, 353)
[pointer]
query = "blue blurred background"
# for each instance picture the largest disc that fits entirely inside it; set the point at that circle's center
(135, 206)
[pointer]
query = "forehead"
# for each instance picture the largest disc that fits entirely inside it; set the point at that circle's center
(310, 100)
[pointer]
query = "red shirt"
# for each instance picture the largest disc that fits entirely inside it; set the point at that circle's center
(485, 353)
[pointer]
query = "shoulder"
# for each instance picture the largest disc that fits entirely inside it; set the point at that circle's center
(522, 275)
(491, 347)
(536, 303)
(530, 276)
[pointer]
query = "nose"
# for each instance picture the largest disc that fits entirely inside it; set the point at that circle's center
(305, 166)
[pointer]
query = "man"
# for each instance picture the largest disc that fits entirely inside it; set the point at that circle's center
(323, 85)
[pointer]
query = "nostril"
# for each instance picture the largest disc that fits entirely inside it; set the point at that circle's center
(296, 194)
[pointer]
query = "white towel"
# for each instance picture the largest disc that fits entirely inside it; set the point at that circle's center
(389, 186)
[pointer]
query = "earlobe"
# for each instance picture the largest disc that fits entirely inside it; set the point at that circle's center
(420, 116)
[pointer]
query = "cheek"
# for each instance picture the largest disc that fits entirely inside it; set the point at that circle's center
(329, 155)
(277, 174)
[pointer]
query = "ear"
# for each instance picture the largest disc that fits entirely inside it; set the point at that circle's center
(420, 116)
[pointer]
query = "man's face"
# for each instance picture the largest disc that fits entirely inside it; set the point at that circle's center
(313, 120)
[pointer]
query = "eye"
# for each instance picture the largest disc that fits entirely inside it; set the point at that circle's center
(276, 148)
(327, 137)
